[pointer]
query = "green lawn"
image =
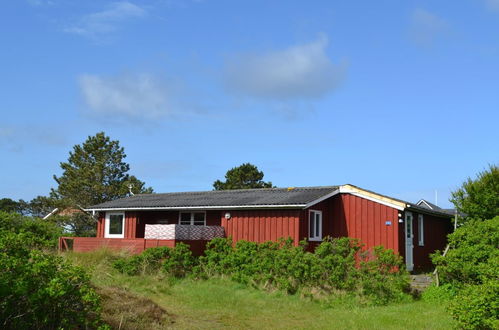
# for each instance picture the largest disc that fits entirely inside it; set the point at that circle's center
(220, 303)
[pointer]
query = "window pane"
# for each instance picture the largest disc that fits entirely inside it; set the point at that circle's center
(199, 219)
(185, 218)
(311, 224)
(116, 224)
(408, 227)
(317, 224)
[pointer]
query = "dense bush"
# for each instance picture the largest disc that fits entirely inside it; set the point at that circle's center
(383, 277)
(439, 294)
(179, 261)
(44, 233)
(147, 262)
(471, 268)
(473, 256)
(380, 277)
(335, 266)
(176, 262)
(40, 290)
(477, 306)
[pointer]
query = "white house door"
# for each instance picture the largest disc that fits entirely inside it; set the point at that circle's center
(409, 241)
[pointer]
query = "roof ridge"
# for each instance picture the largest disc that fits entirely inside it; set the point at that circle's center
(238, 190)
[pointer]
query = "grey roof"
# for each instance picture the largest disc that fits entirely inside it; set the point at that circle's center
(271, 197)
(424, 203)
(433, 207)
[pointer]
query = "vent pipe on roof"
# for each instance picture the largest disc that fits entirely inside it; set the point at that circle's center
(130, 189)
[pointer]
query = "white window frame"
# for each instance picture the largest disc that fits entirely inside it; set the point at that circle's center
(107, 227)
(420, 230)
(318, 237)
(192, 217)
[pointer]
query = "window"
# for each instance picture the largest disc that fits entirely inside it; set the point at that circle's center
(315, 225)
(114, 226)
(193, 218)
(421, 229)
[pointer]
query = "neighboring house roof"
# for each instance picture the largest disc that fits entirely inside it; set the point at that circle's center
(65, 211)
(427, 205)
(302, 197)
(245, 198)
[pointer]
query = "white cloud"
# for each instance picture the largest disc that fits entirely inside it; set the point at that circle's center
(427, 27)
(299, 72)
(493, 4)
(108, 20)
(138, 96)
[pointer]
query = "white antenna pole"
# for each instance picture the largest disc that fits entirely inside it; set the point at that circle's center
(436, 197)
(130, 189)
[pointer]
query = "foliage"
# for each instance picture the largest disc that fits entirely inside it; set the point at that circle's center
(43, 233)
(380, 279)
(9, 205)
(177, 261)
(180, 261)
(219, 302)
(473, 256)
(439, 294)
(94, 173)
(471, 268)
(479, 198)
(37, 207)
(477, 306)
(78, 223)
(39, 290)
(147, 262)
(383, 277)
(245, 176)
(40, 206)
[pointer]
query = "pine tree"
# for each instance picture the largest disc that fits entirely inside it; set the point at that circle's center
(245, 176)
(95, 173)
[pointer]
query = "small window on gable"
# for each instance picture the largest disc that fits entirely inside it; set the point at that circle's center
(421, 230)
(193, 218)
(315, 225)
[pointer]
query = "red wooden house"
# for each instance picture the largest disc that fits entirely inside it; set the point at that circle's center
(312, 213)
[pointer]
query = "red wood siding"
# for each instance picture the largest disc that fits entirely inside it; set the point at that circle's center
(100, 224)
(261, 225)
(435, 234)
(134, 246)
(356, 217)
(130, 224)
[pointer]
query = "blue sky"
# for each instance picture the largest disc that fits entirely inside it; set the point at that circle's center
(400, 97)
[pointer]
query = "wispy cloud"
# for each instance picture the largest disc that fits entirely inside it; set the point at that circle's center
(302, 71)
(492, 4)
(108, 20)
(14, 137)
(129, 96)
(427, 28)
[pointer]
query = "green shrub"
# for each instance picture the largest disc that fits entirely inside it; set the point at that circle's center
(216, 257)
(471, 267)
(147, 262)
(473, 256)
(477, 306)
(44, 233)
(331, 268)
(383, 277)
(439, 294)
(42, 291)
(179, 261)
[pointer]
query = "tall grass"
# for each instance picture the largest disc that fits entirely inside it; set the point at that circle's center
(220, 303)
